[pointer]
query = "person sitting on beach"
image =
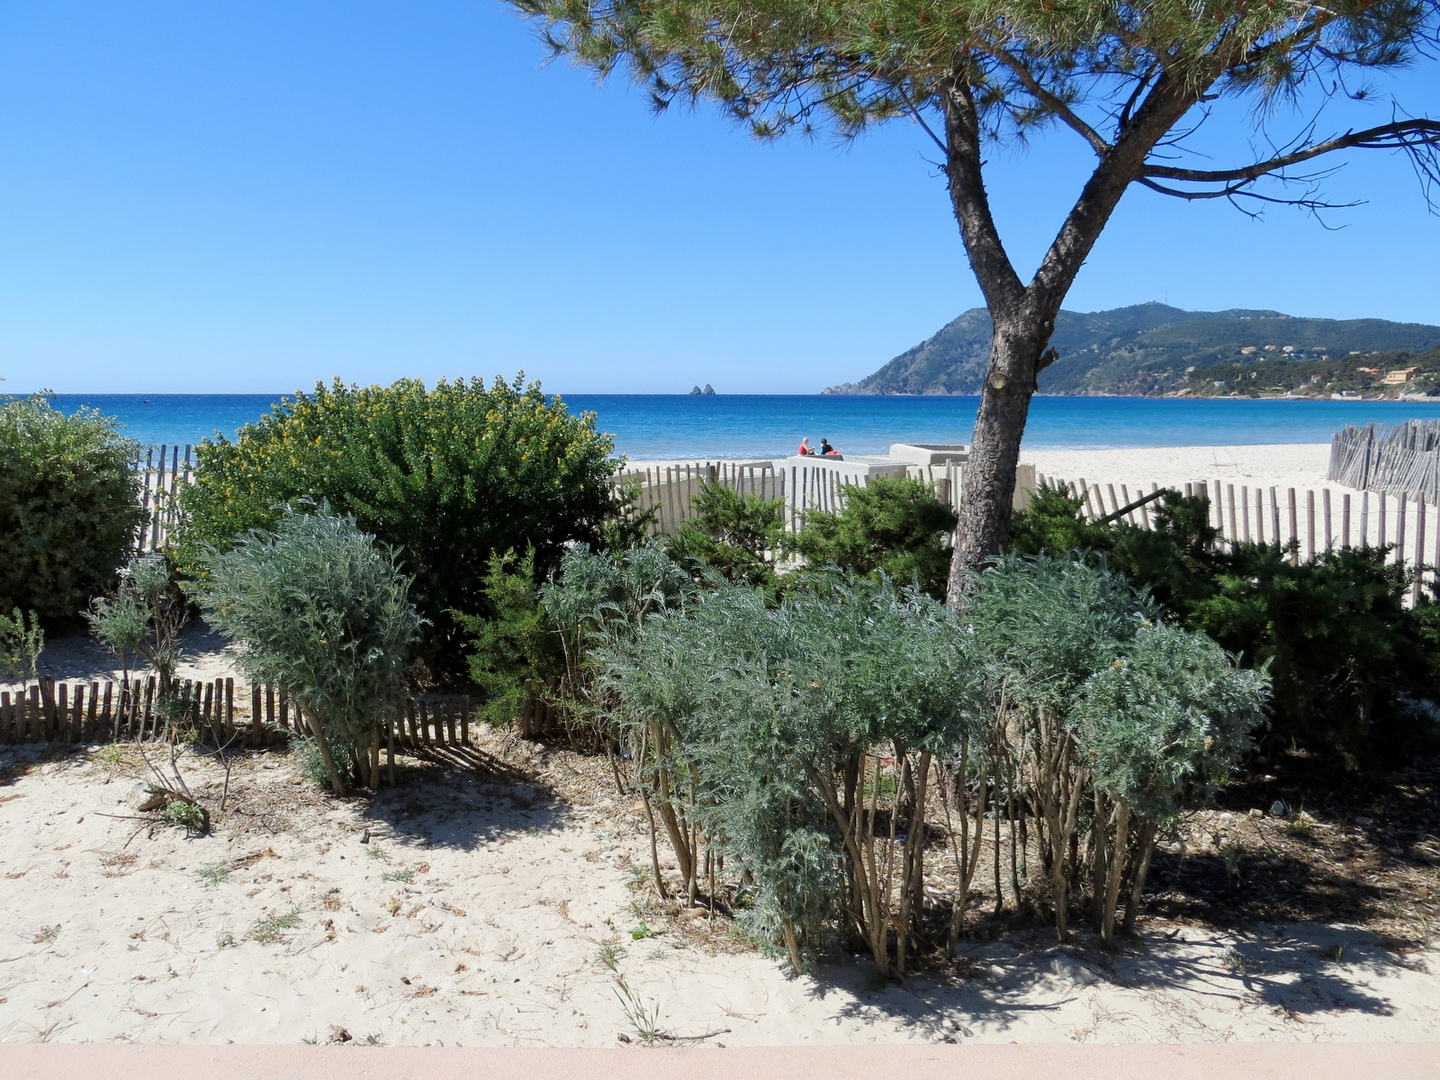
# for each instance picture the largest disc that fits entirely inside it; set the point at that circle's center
(827, 450)
(805, 450)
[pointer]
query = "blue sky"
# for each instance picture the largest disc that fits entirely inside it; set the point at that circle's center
(247, 197)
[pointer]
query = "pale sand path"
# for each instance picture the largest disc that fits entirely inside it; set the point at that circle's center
(489, 928)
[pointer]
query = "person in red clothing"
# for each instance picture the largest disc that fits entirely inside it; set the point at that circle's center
(805, 450)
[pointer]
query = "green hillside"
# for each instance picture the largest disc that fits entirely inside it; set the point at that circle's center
(1148, 349)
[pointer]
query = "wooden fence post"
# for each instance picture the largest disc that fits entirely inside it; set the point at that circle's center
(1419, 551)
(1310, 523)
(1400, 532)
(1294, 529)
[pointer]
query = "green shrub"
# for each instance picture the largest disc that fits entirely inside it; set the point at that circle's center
(1160, 728)
(309, 761)
(448, 476)
(516, 642)
(1347, 656)
(142, 617)
(1108, 719)
(795, 743)
(600, 599)
(736, 535)
(22, 640)
(894, 525)
(319, 608)
(69, 506)
(750, 727)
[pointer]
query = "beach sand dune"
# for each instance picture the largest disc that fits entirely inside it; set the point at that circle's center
(473, 905)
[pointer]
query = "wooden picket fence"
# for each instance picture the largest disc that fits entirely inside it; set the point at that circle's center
(1316, 522)
(163, 472)
(103, 711)
(669, 491)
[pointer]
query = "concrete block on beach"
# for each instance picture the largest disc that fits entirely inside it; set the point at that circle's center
(929, 453)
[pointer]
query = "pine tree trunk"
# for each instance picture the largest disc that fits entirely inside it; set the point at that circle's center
(989, 476)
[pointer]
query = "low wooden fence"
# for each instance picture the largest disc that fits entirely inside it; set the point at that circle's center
(254, 717)
(1316, 521)
(669, 491)
(1403, 460)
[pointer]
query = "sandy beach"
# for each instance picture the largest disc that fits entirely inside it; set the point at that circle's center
(499, 895)
(1297, 465)
(501, 899)
(1287, 465)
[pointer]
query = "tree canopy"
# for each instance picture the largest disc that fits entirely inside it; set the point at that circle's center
(1135, 81)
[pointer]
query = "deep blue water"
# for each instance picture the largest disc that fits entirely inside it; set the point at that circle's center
(746, 426)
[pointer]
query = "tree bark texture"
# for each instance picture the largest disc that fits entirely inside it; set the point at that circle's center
(1024, 315)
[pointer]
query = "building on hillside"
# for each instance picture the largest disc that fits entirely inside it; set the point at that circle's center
(1400, 376)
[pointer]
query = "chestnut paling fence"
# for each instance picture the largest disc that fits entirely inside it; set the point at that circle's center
(669, 490)
(220, 713)
(1401, 460)
(163, 471)
(1315, 521)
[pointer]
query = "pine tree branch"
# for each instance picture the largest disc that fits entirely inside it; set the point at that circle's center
(993, 270)
(1048, 99)
(1401, 135)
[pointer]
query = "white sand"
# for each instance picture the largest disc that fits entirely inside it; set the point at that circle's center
(1297, 465)
(1286, 465)
(110, 934)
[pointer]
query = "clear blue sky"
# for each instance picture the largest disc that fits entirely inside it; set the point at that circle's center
(247, 197)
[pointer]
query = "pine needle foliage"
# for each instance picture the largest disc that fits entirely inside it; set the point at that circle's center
(737, 535)
(321, 608)
(895, 526)
(516, 643)
(779, 64)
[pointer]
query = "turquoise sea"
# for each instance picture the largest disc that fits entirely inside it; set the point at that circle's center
(648, 426)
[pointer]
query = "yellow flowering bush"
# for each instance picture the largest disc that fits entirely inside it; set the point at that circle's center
(448, 475)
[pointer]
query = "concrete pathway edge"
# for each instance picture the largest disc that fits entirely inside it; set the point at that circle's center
(1199, 1061)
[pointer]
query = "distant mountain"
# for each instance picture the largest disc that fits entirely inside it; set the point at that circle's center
(1145, 349)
